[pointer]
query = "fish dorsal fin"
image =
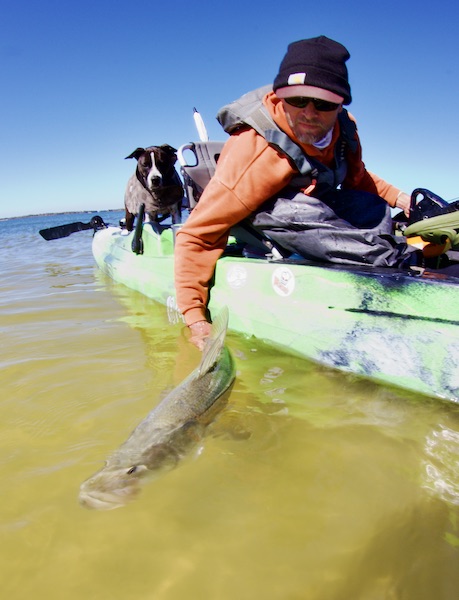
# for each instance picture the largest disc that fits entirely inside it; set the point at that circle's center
(214, 343)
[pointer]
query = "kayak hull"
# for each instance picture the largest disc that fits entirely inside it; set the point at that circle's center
(381, 324)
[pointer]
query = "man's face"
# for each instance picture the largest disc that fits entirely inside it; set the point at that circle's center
(309, 124)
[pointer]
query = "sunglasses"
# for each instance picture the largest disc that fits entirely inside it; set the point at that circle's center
(320, 105)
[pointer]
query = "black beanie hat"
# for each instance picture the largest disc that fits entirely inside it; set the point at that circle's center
(318, 62)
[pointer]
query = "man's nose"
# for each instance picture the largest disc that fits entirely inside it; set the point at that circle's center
(310, 109)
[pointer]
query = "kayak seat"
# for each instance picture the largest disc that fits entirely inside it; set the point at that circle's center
(198, 161)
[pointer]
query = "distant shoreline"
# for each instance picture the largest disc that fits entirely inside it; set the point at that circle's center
(70, 212)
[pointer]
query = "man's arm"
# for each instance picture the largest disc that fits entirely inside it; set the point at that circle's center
(248, 173)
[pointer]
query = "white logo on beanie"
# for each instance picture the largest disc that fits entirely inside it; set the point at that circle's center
(296, 79)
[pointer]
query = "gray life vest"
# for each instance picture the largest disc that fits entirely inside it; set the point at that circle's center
(249, 111)
(312, 226)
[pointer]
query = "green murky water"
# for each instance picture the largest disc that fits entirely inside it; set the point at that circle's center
(309, 485)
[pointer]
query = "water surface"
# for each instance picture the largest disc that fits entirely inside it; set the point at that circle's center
(310, 485)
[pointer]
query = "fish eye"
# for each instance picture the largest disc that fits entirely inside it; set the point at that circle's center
(131, 470)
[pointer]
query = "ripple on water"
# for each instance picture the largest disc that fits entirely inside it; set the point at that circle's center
(442, 466)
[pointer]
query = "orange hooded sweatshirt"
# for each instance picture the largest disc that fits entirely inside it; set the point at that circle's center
(249, 172)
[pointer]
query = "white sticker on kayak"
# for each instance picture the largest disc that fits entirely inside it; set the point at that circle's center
(283, 281)
(236, 277)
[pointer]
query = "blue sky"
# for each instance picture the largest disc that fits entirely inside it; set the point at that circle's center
(85, 83)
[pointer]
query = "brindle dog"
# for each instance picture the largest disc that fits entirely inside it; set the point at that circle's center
(156, 184)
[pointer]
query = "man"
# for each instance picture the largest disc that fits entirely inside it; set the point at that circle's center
(306, 106)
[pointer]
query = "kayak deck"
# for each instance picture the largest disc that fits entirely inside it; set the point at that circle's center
(378, 323)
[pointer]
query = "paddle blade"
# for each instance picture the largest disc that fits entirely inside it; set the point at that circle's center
(61, 231)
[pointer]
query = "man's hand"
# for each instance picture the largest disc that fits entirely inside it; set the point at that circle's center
(200, 331)
(404, 202)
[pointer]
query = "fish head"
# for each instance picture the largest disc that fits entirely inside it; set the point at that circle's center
(111, 487)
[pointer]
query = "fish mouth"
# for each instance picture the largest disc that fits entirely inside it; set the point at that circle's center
(107, 494)
(106, 500)
(100, 500)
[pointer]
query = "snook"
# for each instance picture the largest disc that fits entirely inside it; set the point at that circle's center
(169, 431)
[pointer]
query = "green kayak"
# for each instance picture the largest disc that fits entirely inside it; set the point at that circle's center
(383, 324)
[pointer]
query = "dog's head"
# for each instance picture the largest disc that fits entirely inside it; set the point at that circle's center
(155, 166)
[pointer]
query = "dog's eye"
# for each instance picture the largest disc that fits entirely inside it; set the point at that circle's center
(131, 470)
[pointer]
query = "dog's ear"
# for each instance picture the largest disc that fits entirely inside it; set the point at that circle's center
(169, 149)
(136, 154)
(170, 153)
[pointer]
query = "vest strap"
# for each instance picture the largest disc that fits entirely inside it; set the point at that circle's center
(278, 138)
